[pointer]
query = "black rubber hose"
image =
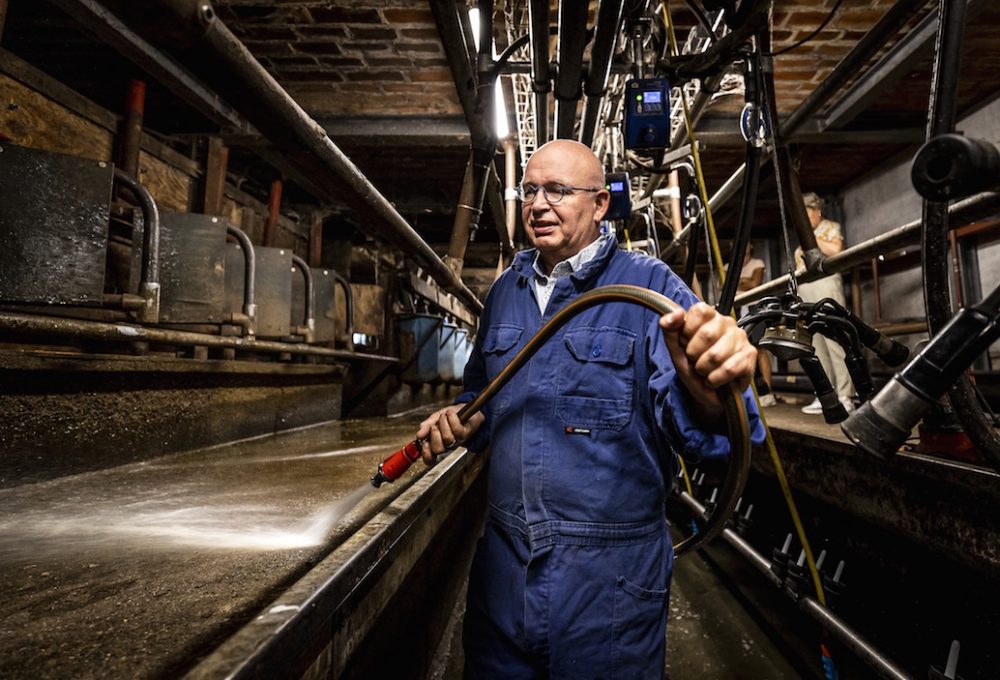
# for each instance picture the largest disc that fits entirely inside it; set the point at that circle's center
(736, 418)
(934, 231)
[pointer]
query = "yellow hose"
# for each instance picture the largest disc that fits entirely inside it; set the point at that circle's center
(779, 469)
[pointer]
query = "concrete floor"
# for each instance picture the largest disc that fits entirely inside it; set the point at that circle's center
(139, 570)
(709, 634)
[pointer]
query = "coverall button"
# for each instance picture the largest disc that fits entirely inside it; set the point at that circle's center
(597, 351)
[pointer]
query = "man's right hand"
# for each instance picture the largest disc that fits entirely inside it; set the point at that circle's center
(442, 431)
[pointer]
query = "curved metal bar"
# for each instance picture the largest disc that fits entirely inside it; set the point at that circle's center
(150, 226)
(249, 271)
(310, 292)
(348, 307)
(149, 282)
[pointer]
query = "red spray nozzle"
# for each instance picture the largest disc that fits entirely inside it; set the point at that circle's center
(393, 467)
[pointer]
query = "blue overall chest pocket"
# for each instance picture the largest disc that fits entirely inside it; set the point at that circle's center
(499, 346)
(595, 387)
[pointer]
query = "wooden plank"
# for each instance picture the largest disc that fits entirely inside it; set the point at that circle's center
(171, 187)
(30, 119)
(73, 102)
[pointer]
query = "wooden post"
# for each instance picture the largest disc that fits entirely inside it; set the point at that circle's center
(316, 240)
(216, 164)
(3, 17)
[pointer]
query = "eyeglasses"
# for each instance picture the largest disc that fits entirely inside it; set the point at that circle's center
(554, 193)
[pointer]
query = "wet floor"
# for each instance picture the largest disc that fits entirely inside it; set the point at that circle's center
(139, 570)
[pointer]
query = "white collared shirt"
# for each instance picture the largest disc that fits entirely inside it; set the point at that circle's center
(545, 284)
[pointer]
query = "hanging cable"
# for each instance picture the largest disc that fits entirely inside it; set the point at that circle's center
(809, 37)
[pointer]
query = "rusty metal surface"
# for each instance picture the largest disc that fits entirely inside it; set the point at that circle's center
(953, 508)
(274, 288)
(141, 570)
(192, 268)
(54, 212)
(325, 287)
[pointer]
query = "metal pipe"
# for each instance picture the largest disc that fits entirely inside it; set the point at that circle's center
(510, 193)
(895, 18)
(149, 282)
(131, 128)
(310, 293)
(348, 307)
(204, 41)
(538, 29)
(609, 19)
(249, 275)
(120, 332)
(866, 48)
(942, 113)
(876, 285)
(273, 212)
(572, 23)
(965, 211)
(837, 627)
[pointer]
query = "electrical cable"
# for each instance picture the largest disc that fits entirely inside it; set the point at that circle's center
(809, 37)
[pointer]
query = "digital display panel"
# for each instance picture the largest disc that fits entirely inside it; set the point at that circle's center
(652, 97)
(618, 186)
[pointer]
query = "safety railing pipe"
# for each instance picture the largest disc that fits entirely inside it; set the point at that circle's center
(609, 18)
(348, 307)
(538, 29)
(149, 284)
(49, 326)
(964, 211)
(249, 278)
(200, 39)
(881, 664)
(310, 297)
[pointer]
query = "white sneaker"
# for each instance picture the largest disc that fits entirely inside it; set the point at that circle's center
(814, 408)
(848, 404)
(768, 400)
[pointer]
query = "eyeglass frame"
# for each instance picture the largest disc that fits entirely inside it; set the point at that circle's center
(563, 188)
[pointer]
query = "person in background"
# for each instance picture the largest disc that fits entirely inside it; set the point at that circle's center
(751, 276)
(830, 354)
(571, 578)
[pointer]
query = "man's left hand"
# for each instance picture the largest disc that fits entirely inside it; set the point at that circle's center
(709, 351)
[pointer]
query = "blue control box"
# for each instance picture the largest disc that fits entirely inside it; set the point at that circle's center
(647, 114)
(619, 186)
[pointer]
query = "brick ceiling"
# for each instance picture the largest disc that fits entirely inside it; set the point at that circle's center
(374, 72)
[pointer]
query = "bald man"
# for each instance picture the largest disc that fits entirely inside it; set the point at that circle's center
(571, 578)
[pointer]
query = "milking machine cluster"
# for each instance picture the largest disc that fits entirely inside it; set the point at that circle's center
(790, 325)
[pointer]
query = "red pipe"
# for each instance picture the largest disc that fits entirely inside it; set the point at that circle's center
(131, 128)
(273, 213)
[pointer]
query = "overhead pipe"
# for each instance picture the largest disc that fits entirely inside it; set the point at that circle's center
(149, 280)
(538, 29)
(609, 19)
(202, 40)
(476, 93)
(248, 319)
(309, 328)
(886, 28)
(572, 42)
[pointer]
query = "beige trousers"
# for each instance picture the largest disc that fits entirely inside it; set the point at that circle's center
(829, 353)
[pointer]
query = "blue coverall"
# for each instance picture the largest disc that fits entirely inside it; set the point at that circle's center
(571, 578)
